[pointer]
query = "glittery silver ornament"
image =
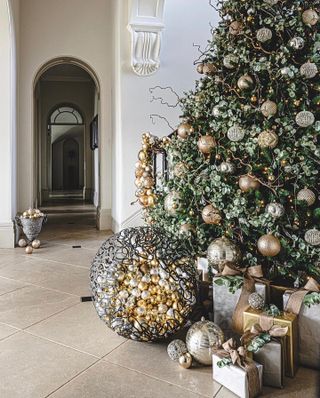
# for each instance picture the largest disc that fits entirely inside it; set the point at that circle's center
(267, 139)
(297, 43)
(264, 34)
(245, 82)
(235, 133)
(309, 70)
(269, 108)
(227, 168)
(175, 349)
(256, 301)
(305, 118)
(22, 243)
(312, 236)
(306, 195)
(202, 337)
(275, 210)
(230, 61)
(221, 251)
(172, 203)
(216, 112)
(310, 17)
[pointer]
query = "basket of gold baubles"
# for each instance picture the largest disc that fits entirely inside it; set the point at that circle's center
(31, 222)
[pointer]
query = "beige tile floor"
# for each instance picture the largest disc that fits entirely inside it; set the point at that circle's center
(52, 345)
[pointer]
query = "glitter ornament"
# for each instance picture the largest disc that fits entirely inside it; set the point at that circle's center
(269, 108)
(269, 245)
(227, 168)
(209, 69)
(206, 144)
(211, 215)
(235, 28)
(264, 34)
(256, 301)
(297, 43)
(235, 133)
(29, 250)
(172, 203)
(276, 210)
(248, 183)
(306, 195)
(310, 17)
(309, 70)
(180, 169)
(230, 61)
(185, 130)
(305, 119)
(175, 349)
(267, 139)
(222, 251)
(22, 243)
(245, 82)
(36, 244)
(312, 236)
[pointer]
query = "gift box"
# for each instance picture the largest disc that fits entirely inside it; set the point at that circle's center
(224, 304)
(309, 333)
(272, 357)
(252, 317)
(233, 377)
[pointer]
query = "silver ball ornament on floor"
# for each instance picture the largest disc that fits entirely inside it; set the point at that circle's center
(309, 70)
(202, 337)
(276, 210)
(264, 35)
(235, 133)
(297, 43)
(185, 360)
(305, 119)
(36, 244)
(221, 251)
(306, 195)
(29, 250)
(176, 348)
(256, 301)
(22, 243)
(312, 236)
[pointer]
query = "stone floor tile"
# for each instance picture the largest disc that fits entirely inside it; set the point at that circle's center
(24, 307)
(104, 380)
(6, 331)
(79, 327)
(31, 367)
(9, 285)
(152, 360)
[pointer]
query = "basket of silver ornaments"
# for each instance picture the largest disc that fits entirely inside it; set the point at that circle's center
(143, 284)
(31, 222)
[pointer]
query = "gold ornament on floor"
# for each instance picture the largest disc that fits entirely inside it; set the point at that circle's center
(235, 28)
(245, 82)
(248, 182)
(305, 119)
(22, 243)
(269, 245)
(312, 236)
(267, 139)
(211, 215)
(36, 244)
(222, 251)
(173, 203)
(29, 250)
(306, 195)
(264, 35)
(310, 17)
(185, 130)
(269, 108)
(202, 338)
(185, 360)
(206, 144)
(309, 70)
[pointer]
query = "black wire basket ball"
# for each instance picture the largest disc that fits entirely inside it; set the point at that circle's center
(143, 283)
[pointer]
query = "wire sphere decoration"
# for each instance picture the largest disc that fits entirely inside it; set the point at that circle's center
(143, 283)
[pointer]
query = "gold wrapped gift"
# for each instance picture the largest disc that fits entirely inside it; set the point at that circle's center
(251, 317)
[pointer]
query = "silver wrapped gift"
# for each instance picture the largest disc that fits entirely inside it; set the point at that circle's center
(233, 377)
(272, 357)
(224, 304)
(309, 333)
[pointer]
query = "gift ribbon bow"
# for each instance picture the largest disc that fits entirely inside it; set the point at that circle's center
(238, 355)
(250, 276)
(296, 298)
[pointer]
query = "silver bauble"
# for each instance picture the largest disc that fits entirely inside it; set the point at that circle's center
(297, 43)
(309, 70)
(227, 168)
(216, 112)
(221, 251)
(256, 301)
(202, 337)
(305, 118)
(269, 108)
(172, 203)
(36, 244)
(306, 195)
(264, 34)
(175, 349)
(312, 236)
(22, 243)
(29, 250)
(230, 61)
(235, 133)
(276, 210)
(310, 17)
(245, 82)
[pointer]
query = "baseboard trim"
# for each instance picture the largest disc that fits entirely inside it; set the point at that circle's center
(7, 235)
(104, 221)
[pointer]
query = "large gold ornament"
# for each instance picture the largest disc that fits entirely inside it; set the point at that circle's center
(269, 245)
(310, 17)
(211, 215)
(202, 338)
(222, 251)
(248, 182)
(245, 82)
(173, 203)
(185, 130)
(267, 139)
(143, 283)
(206, 144)
(305, 119)
(306, 195)
(269, 108)
(235, 28)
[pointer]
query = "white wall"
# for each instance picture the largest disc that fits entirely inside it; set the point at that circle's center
(186, 22)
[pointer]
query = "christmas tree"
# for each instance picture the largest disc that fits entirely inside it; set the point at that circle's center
(243, 176)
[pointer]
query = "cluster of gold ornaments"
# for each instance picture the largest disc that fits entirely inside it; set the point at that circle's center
(32, 213)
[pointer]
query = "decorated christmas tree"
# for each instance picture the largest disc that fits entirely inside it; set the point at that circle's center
(243, 165)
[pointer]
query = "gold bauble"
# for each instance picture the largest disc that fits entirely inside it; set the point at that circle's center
(36, 244)
(245, 82)
(222, 251)
(211, 215)
(235, 28)
(185, 361)
(148, 182)
(139, 171)
(268, 139)
(248, 183)
(29, 250)
(184, 130)
(22, 243)
(186, 229)
(306, 195)
(180, 169)
(209, 68)
(269, 108)
(151, 200)
(206, 143)
(269, 245)
(144, 200)
(200, 68)
(310, 17)
(142, 155)
(155, 278)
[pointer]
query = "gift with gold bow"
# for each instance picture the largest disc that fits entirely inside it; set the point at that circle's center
(236, 371)
(266, 341)
(240, 282)
(305, 303)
